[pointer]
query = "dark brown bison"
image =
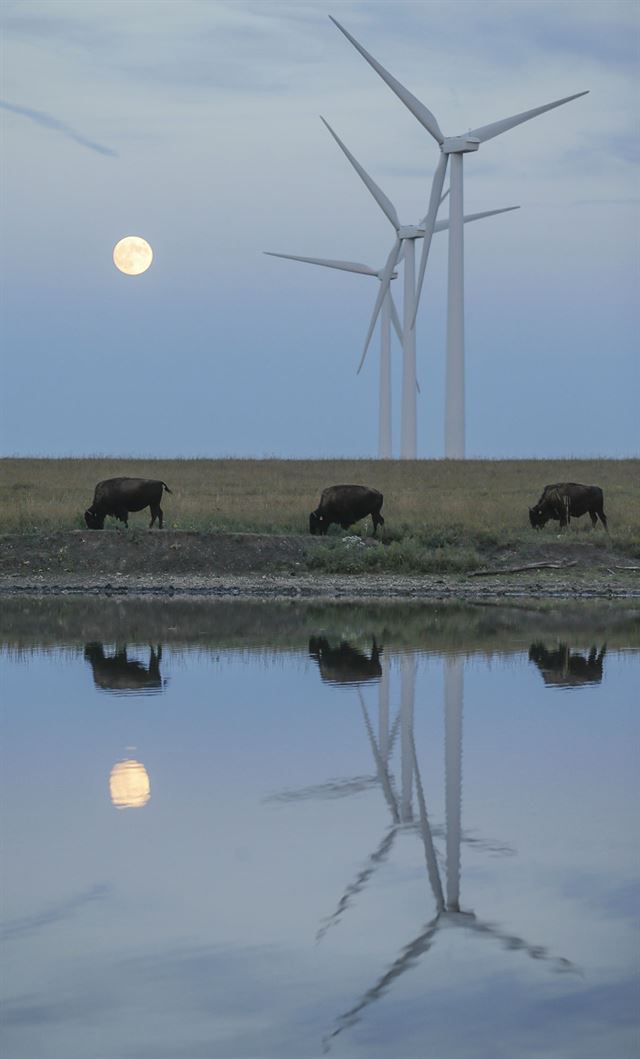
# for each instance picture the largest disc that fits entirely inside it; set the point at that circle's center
(119, 496)
(346, 504)
(345, 664)
(120, 673)
(566, 500)
(562, 667)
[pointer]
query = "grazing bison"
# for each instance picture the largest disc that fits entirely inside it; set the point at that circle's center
(566, 500)
(346, 504)
(345, 664)
(562, 667)
(122, 674)
(119, 496)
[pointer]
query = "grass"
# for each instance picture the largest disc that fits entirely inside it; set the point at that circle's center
(440, 514)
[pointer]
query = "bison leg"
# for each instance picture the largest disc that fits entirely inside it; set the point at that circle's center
(594, 519)
(377, 520)
(603, 519)
(156, 513)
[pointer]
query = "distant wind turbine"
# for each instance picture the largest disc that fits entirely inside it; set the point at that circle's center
(456, 146)
(406, 236)
(389, 315)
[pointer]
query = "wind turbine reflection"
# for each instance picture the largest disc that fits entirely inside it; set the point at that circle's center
(445, 890)
(448, 912)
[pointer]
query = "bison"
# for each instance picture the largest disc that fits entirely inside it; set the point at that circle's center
(120, 673)
(567, 499)
(346, 504)
(119, 496)
(345, 664)
(562, 667)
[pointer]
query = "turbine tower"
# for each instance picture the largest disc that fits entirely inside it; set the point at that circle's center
(456, 147)
(406, 236)
(389, 315)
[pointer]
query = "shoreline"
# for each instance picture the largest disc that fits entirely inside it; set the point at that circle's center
(268, 586)
(278, 566)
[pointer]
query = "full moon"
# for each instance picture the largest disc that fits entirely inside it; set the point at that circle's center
(132, 255)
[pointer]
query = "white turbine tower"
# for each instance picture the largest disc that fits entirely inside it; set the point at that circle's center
(389, 315)
(406, 235)
(456, 146)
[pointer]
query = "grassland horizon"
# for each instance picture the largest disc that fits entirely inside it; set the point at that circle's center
(276, 496)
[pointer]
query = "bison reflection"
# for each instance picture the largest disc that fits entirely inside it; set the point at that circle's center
(562, 667)
(345, 664)
(122, 674)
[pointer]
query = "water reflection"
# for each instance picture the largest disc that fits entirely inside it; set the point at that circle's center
(562, 667)
(129, 784)
(345, 664)
(121, 674)
(111, 927)
(447, 895)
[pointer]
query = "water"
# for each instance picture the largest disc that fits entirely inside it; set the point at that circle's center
(282, 831)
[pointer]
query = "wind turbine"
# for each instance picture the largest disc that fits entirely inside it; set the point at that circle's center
(456, 146)
(400, 806)
(406, 236)
(447, 899)
(389, 315)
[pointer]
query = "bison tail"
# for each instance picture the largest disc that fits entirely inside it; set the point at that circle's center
(166, 487)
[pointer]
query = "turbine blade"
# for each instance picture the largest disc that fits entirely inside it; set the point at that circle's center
(346, 266)
(383, 202)
(383, 774)
(487, 132)
(429, 225)
(385, 282)
(441, 226)
(395, 319)
(418, 109)
(427, 838)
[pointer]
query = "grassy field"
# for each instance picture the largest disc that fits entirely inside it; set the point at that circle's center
(439, 515)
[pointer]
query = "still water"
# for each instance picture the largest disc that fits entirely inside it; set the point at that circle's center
(264, 831)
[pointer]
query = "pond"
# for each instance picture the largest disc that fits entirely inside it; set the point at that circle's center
(267, 831)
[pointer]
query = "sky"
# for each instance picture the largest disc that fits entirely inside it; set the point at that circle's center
(196, 126)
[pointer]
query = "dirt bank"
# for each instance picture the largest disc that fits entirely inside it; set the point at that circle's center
(261, 565)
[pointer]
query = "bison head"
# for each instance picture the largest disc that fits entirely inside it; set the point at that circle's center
(93, 519)
(536, 517)
(318, 523)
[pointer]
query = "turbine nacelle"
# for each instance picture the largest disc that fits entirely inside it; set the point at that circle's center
(410, 231)
(459, 144)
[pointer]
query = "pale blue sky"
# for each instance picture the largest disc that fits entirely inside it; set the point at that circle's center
(196, 125)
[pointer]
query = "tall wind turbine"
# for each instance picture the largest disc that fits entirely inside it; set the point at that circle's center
(447, 898)
(406, 235)
(389, 315)
(456, 146)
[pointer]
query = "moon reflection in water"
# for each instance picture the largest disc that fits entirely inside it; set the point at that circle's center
(129, 785)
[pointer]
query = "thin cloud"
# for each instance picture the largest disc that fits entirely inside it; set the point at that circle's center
(49, 122)
(54, 914)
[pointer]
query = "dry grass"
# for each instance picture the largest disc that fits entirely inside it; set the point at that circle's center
(438, 503)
